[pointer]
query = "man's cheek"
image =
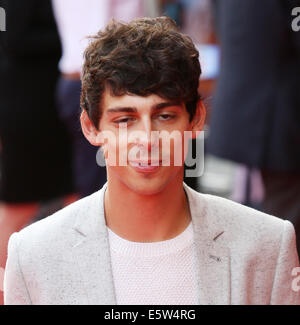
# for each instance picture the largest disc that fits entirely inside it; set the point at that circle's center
(110, 154)
(174, 152)
(122, 151)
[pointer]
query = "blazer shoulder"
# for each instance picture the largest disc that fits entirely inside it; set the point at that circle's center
(242, 222)
(56, 227)
(260, 232)
(238, 212)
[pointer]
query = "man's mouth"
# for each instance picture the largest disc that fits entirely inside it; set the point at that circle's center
(148, 163)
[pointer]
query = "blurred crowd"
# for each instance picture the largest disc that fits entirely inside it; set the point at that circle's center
(250, 60)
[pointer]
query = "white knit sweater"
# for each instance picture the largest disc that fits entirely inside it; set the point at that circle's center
(154, 273)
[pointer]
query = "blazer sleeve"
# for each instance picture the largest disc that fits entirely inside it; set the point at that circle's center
(283, 292)
(15, 290)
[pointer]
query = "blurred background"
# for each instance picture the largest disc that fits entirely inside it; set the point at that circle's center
(250, 59)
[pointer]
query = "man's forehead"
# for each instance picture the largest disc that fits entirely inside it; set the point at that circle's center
(132, 102)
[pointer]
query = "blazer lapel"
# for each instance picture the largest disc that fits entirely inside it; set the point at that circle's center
(92, 252)
(212, 258)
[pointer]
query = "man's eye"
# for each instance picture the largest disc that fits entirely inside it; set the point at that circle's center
(166, 117)
(124, 120)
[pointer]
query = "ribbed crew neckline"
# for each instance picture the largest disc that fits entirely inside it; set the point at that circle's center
(141, 249)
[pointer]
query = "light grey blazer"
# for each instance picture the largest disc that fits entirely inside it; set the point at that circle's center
(242, 256)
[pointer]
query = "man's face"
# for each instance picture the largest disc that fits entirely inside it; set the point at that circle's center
(143, 131)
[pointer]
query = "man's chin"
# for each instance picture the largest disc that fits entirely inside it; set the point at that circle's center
(146, 187)
(151, 184)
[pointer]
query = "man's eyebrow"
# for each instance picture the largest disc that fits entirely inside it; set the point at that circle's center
(121, 110)
(156, 107)
(165, 104)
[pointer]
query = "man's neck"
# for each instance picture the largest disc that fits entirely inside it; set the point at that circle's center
(146, 218)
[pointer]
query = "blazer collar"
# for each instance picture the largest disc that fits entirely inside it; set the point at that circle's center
(212, 260)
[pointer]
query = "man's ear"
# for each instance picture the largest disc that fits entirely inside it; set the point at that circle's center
(89, 130)
(198, 121)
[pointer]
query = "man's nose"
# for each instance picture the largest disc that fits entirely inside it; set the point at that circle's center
(148, 139)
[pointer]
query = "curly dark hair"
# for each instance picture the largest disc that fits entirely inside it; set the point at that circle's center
(146, 56)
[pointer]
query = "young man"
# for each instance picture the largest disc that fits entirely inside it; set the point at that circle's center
(145, 237)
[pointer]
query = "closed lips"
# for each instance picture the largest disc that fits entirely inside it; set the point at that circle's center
(145, 163)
